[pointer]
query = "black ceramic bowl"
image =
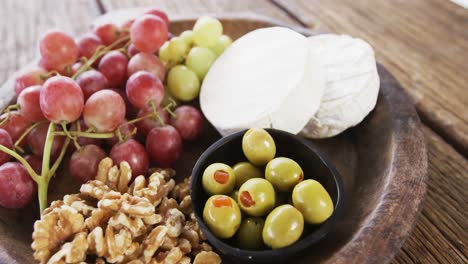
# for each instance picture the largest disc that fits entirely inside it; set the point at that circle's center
(315, 166)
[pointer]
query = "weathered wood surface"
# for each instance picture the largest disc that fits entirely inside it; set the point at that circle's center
(23, 22)
(423, 43)
(198, 7)
(441, 234)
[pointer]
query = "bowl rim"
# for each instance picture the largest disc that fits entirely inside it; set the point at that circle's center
(298, 246)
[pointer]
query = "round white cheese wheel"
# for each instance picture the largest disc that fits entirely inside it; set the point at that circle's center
(352, 84)
(259, 81)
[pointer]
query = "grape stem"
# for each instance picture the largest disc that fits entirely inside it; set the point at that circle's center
(7, 111)
(100, 51)
(138, 119)
(43, 183)
(49, 74)
(172, 103)
(12, 107)
(69, 136)
(20, 139)
(59, 159)
(7, 117)
(155, 113)
(26, 165)
(47, 149)
(42, 186)
(171, 113)
(85, 134)
(68, 70)
(119, 134)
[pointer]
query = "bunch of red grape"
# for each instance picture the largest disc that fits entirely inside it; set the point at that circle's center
(98, 96)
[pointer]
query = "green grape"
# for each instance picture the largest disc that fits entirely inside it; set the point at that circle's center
(206, 31)
(183, 83)
(187, 36)
(164, 54)
(177, 49)
(199, 60)
(222, 43)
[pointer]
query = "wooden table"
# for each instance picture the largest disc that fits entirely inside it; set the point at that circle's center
(424, 43)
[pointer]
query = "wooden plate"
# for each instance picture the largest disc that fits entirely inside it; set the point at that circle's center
(383, 163)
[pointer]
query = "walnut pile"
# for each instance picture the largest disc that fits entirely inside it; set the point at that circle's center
(150, 221)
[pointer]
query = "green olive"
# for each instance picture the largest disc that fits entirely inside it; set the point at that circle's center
(258, 146)
(283, 173)
(249, 235)
(283, 227)
(313, 201)
(245, 171)
(222, 215)
(218, 178)
(257, 197)
(235, 195)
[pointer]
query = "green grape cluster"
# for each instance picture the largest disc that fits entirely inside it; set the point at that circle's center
(190, 55)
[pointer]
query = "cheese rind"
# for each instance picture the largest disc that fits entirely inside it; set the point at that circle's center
(352, 84)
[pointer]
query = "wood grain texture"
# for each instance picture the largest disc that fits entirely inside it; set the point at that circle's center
(441, 235)
(23, 23)
(200, 7)
(422, 42)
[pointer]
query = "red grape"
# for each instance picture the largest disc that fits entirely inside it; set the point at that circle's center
(28, 101)
(125, 28)
(16, 186)
(84, 162)
(29, 78)
(164, 145)
(15, 126)
(127, 24)
(88, 44)
(91, 82)
(58, 49)
(75, 67)
(37, 139)
(188, 121)
(144, 126)
(114, 66)
(66, 71)
(42, 64)
(146, 62)
(104, 111)
(83, 141)
(61, 99)
(35, 162)
(148, 33)
(6, 141)
(143, 88)
(131, 109)
(159, 14)
(108, 33)
(126, 130)
(132, 152)
(132, 51)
